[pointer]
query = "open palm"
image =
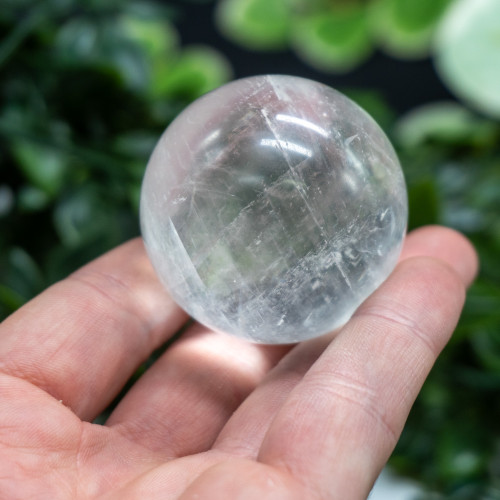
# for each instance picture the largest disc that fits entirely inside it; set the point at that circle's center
(215, 417)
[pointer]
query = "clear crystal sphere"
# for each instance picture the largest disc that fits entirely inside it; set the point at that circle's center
(272, 207)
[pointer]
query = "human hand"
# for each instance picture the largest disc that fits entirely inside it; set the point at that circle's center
(215, 417)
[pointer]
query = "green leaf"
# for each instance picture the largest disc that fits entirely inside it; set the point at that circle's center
(375, 105)
(423, 201)
(482, 313)
(487, 347)
(95, 216)
(135, 197)
(78, 40)
(20, 275)
(20, 31)
(333, 40)
(157, 37)
(104, 45)
(255, 24)
(458, 459)
(467, 53)
(32, 199)
(7, 200)
(136, 144)
(404, 28)
(444, 122)
(43, 166)
(198, 70)
(82, 215)
(10, 300)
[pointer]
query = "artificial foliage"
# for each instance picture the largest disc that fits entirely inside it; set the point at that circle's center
(87, 87)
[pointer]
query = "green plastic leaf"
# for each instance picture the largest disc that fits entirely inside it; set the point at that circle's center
(255, 24)
(405, 28)
(43, 166)
(334, 40)
(198, 70)
(467, 53)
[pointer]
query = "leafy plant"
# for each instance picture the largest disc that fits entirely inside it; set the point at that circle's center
(87, 87)
(452, 164)
(338, 35)
(333, 35)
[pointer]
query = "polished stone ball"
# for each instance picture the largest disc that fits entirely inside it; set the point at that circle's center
(272, 207)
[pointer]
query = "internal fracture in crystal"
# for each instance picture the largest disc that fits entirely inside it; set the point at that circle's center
(272, 207)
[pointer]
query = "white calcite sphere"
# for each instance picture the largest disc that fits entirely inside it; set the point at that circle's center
(272, 207)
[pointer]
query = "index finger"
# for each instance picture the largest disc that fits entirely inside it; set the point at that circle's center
(82, 338)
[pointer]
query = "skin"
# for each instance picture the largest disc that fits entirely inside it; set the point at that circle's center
(215, 417)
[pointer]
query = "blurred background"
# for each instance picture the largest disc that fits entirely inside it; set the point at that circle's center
(87, 87)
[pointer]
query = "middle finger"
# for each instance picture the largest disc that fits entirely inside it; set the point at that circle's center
(180, 404)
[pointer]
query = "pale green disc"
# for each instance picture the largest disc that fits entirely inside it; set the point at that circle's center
(467, 53)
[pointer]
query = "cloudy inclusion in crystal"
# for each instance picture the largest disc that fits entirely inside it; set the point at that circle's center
(272, 207)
